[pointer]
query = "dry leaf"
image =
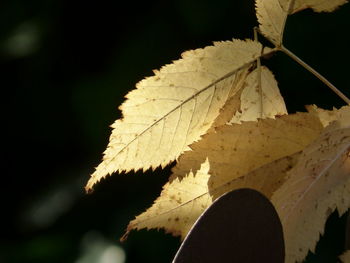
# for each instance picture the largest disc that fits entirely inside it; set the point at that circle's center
(194, 189)
(179, 205)
(317, 5)
(222, 117)
(328, 116)
(272, 14)
(345, 258)
(233, 104)
(245, 105)
(253, 104)
(317, 184)
(171, 110)
(265, 179)
(220, 158)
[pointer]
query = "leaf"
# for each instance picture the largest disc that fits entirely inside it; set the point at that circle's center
(233, 104)
(272, 14)
(179, 205)
(172, 109)
(221, 160)
(317, 185)
(328, 116)
(253, 105)
(317, 5)
(245, 105)
(345, 258)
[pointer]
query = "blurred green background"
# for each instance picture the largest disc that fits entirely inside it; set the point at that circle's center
(65, 68)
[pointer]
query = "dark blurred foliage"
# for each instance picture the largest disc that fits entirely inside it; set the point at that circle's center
(65, 68)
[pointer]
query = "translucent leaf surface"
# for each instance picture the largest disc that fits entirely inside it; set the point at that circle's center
(220, 162)
(272, 14)
(317, 184)
(171, 110)
(253, 105)
(345, 258)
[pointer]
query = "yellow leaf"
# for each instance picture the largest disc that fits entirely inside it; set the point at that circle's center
(233, 104)
(272, 14)
(248, 104)
(328, 116)
(265, 179)
(345, 258)
(253, 104)
(317, 5)
(179, 205)
(317, 184)
(172, 109)
(221, 160)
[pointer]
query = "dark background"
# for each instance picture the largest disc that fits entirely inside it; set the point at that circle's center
(65, 67)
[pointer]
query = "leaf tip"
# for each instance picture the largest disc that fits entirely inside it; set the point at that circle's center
(89, 186)
(124, 237)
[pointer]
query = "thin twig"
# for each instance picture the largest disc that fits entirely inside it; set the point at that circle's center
(315, 73)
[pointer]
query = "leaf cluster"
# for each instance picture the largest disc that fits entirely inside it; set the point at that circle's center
(219, 114)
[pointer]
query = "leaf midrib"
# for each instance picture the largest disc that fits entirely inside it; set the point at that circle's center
(227, 75)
